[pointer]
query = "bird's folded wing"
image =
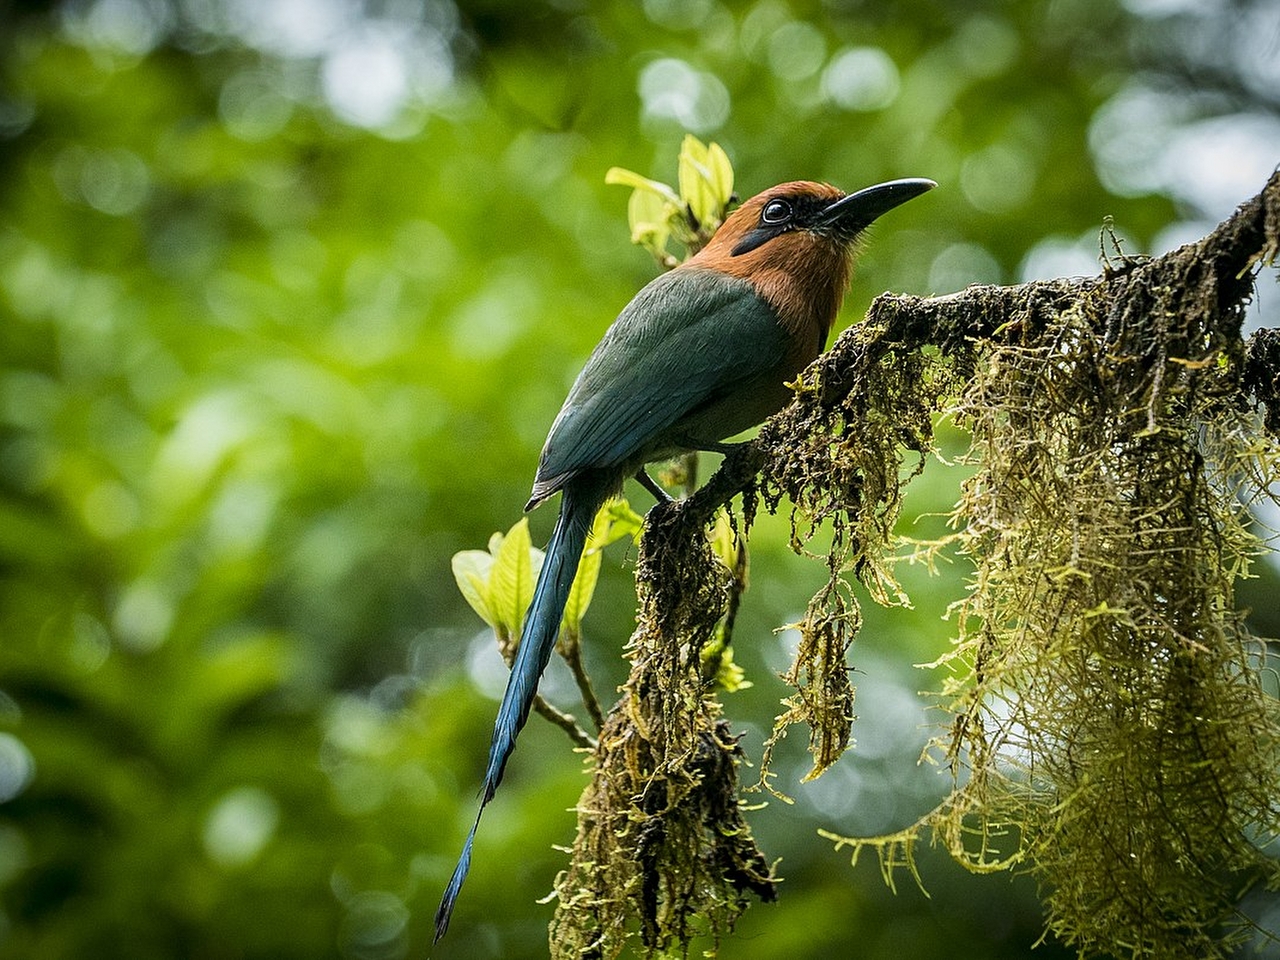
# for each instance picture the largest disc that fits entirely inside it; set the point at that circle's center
(688, 338)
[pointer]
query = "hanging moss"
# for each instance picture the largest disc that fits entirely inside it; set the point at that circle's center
(663, 853)
(1111, 730)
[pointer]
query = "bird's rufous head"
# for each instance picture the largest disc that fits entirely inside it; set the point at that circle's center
(793, 243)
(804, 211)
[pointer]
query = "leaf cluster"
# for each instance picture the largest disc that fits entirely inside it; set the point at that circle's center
(498, 582)
(658, 214)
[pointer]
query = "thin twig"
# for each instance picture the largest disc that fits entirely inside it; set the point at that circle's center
(565, 721)
(571, 652)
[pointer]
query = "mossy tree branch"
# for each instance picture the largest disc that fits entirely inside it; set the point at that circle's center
(1107, 700)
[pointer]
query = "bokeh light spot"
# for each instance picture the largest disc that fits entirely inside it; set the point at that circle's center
(291, 28)
(240, 824)
(997, 179)
(962, 264)
(678, 14)
(90, 642)
(252, 107)
(114, 181)
(673, 90)
(796, 50)
(110, 510)
(132, 27)
(366, 78)
(987, 47)
(1060, 256)
(143, 615)
(375, 926)
(17, 767)
(862, 79)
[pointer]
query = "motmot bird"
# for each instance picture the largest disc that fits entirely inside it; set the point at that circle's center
(700, 354)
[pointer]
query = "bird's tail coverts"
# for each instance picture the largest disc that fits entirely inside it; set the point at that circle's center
(537, 640)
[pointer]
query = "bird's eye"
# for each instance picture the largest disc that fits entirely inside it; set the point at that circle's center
(775, 212)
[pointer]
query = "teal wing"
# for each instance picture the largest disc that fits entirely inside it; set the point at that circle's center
(690, 338)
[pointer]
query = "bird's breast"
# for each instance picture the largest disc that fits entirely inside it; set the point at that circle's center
(805, 309)
(801, 276)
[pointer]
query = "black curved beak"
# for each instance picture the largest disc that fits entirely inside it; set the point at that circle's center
(851, 214)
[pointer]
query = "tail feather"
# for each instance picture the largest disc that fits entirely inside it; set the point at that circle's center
(537, 640)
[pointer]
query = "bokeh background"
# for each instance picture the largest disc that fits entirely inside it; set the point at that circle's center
(290, 291)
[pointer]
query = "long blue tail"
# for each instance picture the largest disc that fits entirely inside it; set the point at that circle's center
(537, 640)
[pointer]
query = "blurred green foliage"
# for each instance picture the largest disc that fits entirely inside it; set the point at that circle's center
(289, 294)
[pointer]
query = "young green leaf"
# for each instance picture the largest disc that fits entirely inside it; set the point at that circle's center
(623, 521)
(730, 677)
(613, 521)
(720, 174)
(724, 541)
(584, 582)
(629, 178)
(706, 181)
(695, 186)
(717, 654)
(650, 218)
(471, 569)
(511, 580)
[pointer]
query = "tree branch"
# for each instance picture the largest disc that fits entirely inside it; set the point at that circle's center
(1217, 270)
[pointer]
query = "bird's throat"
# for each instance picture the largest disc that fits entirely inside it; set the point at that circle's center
(802, 276)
